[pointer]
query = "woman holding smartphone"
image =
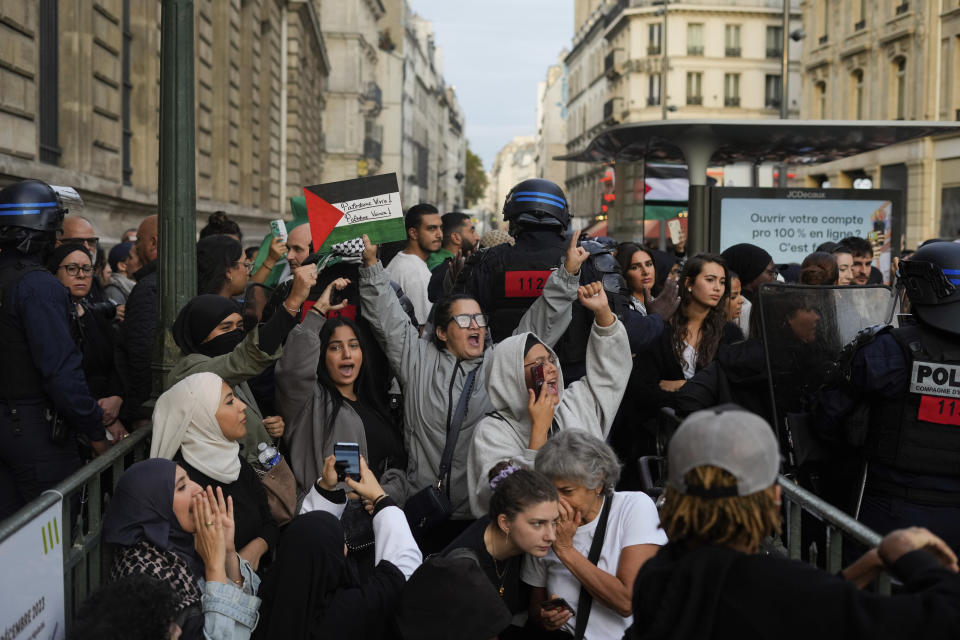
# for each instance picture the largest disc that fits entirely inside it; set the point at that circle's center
(526, 388)
(624, 524)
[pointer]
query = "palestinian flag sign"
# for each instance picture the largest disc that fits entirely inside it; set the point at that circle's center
(340, 211)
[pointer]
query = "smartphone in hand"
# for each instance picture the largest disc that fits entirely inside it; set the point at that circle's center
(537, 371)
(557, 603)
(348, 460)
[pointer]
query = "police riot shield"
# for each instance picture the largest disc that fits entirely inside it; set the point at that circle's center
(804, 330)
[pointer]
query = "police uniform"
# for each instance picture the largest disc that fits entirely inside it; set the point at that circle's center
(41, 376)
(909, 377)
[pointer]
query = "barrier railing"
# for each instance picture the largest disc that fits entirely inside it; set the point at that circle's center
(84, 564)
(838, 527)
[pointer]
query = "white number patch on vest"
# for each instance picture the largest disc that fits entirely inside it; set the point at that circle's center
(933, 378)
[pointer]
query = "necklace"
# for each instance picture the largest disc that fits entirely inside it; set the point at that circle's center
(500, 574)
(496, 565)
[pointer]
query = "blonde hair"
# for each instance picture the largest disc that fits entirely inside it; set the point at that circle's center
(745, 520)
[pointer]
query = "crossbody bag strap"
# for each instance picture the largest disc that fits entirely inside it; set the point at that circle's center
(585, 601)
(455, 425)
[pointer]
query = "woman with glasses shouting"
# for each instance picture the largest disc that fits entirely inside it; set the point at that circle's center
(526, 387)
(436, 371)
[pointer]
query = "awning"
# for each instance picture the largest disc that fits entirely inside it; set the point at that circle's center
(791, 141)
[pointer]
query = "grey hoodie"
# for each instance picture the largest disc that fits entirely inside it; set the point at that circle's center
(589, 404)
(432, 378)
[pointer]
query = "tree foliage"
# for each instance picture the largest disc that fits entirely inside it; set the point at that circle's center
(476, 179)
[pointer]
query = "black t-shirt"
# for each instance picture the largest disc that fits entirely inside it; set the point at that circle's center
(505, 573)
(384, 446)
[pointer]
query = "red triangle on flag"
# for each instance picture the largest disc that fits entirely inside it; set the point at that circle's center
(646, 188)
(323, 218)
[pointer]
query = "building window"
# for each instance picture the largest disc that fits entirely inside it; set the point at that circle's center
(732, 40)
(48, 100)
(774, 42)
(653, 91)
(731, 89)
(860, 15)
(654, 32)
(900, 65)
(772, 90)
(857, 81)
(824, 17)
(821, 97)
(127, 88)
(694, 87)
(695, 39)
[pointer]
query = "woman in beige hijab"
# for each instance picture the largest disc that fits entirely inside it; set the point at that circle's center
(198, 423)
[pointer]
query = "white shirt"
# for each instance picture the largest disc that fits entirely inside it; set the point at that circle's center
(633, 520)
(411, 273)
(689, 363)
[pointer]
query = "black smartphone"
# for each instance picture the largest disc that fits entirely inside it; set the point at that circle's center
(337, 296)
(348, 460)
(557, 603)
(537, 372)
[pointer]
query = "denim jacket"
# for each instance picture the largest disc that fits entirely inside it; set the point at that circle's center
(231, 612)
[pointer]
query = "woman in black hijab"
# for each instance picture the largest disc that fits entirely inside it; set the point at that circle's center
(209, 331)
(312, 591)
(165, 526)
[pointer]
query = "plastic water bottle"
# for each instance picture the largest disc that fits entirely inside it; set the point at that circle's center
(269, 456)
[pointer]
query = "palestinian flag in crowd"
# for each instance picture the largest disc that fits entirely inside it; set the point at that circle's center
(340, 211)
(667, 182)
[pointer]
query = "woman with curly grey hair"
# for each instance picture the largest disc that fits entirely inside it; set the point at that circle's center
(603, 538)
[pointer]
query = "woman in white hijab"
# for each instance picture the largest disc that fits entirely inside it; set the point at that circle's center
(198, 423)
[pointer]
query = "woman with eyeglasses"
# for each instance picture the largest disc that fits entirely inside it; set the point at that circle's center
(221, 267)
(433, 373)
(92, 331)
(526, 387)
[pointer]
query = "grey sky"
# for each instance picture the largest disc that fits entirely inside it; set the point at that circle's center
(494, 53)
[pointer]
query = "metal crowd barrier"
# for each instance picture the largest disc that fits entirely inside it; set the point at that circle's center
(839, 527)
(84, 564)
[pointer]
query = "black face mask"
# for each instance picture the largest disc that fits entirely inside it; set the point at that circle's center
(222, 344)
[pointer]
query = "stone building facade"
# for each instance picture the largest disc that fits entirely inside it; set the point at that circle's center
(514, 162)
(552, 122)
(423, 123)
(701, 60)
(889, 60)
(80, 104)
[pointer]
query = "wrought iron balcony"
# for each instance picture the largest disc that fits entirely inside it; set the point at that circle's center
(695, 51)
(733, 52)
(695, 100)
(731, 101)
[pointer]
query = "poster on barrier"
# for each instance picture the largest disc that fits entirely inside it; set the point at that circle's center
(792, 223)
(31, 599)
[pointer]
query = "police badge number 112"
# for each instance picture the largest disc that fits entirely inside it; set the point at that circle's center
(939, 388)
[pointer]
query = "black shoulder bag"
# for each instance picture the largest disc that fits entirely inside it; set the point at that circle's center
(431, 505)
(585, 600)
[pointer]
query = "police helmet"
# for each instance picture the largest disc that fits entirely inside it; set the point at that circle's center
(537, 203)
(31, 212)
(932, 280)
(603, 262)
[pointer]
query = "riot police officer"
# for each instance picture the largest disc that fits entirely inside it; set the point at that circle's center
(44, 399)
(507, 279)
(906, 383)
